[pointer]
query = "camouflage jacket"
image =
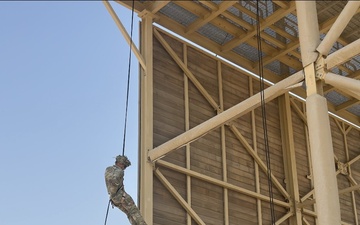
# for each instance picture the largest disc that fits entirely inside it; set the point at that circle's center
(114, 177)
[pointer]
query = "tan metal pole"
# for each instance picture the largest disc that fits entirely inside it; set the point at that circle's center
(224, 117)
(146, 120)
(326, 188)
(306, 13)
(342, 82)
(344, 54)
(338, 27)
(325, 183)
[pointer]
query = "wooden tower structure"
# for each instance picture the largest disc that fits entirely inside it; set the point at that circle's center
(203, 152)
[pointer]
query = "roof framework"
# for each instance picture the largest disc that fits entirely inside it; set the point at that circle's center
(318, 61)
(228, 28)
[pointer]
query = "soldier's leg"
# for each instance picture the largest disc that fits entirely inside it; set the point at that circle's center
(119, 201)
(133, 211)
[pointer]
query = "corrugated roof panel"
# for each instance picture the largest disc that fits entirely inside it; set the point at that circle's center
(265, 7)
(329, 9)
(352, 31)
(178, 14)
(336, 70)
(288, 25)
(215, 34)
(274, 67)
(271, 44)
(355, 110)
(234, 11)
(353, 64)
(248, 52)
(243, 21)
(234, 23)
(275, 35)
(336, 98)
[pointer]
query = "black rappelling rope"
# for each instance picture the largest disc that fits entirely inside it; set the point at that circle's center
(127, 93)
(128, 77)
(107, 212)
(263, 111)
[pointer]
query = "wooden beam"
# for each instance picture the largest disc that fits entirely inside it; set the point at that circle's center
(187, 127)
(224, 117)
(201, 22)
(289, 156)
(308, 31)
(156, 6)
(326, 189)
(353, 160)
(294, 44)
(284, 218)
(223, 144)
(186, 70)
(138, 7)
(220, 183)
(178, 197)
(338, 27)
(299, 112)
(265, 23)
(233, 30)
(347, 104)
(125, 34)
(348, 85)
(282, 4)
(213, 47)
(258, 160)
(146, 121)
(344, 54)
(354, 75)
(254, 141)
(349, 189)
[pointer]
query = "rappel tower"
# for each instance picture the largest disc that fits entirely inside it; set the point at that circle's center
(249, 111)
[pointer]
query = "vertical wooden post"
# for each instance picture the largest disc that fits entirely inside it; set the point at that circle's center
(254, 139)
(146, 120)
(187, 127)
(223, 144)
(287, 136)
(325, 182)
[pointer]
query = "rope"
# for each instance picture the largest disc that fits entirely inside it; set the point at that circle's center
(107, 212)
(263, 111)
(128, 76)
(127, 92)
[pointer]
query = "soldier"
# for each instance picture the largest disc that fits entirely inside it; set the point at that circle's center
(114, 177)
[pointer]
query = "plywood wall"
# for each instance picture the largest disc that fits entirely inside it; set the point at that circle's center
(221, 178)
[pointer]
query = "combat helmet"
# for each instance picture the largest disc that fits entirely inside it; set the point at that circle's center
(123, 160)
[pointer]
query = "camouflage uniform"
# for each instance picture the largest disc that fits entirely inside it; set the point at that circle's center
(114, 177)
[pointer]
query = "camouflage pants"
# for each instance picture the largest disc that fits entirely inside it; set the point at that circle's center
(126, 204)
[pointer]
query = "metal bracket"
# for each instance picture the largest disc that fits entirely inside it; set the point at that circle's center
(342, 168)
(320, 68)
(146, 13)
(219, 110)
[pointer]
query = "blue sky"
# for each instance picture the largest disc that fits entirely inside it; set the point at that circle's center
(63, 72)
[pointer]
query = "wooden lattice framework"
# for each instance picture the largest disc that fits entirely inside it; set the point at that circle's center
(202, 158)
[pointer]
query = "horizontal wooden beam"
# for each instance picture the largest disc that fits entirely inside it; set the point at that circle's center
(220, 183)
